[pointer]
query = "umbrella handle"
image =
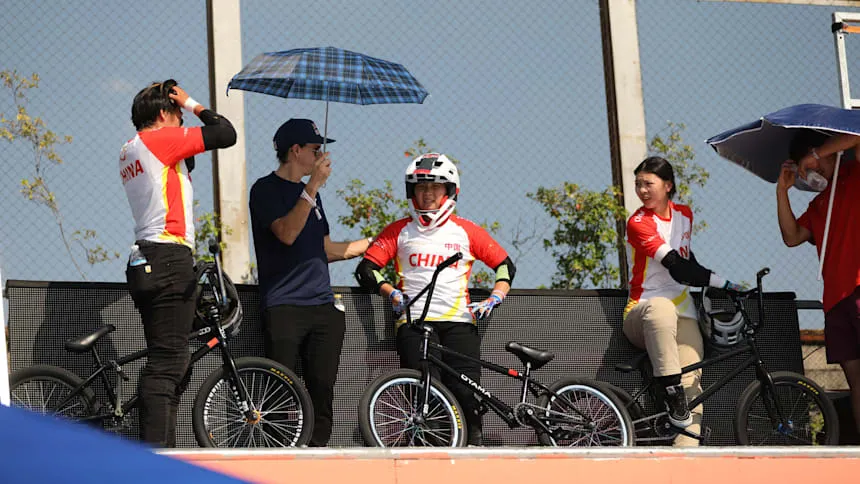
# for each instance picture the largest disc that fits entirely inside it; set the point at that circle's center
(827, 219)
(325, 127)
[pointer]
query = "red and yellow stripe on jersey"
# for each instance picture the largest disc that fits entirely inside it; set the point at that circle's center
(649, 238)
(416, 254)
(157, 184)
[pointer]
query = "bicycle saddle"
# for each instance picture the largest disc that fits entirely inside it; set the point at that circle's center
(632, 364)
(526, 354)
(84, 343)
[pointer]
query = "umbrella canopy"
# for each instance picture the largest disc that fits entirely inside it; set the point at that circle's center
(762, 146)
(38, 448)
(329, 74)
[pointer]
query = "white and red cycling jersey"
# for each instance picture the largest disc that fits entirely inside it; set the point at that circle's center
(416, 254)
(153, 172)
(649, 238)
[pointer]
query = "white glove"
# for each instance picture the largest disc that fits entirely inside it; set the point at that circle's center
(398, 301)
(480, 310)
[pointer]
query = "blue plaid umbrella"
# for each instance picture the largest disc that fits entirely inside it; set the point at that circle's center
(329, 74)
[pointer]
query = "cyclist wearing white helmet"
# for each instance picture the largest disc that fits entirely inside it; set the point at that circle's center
(417, 244)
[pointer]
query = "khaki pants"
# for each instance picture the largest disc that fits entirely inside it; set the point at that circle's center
(672, 342)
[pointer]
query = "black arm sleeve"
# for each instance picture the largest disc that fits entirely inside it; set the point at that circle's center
(506, 271)
(218, 132)
(369, 276)
(688, 272)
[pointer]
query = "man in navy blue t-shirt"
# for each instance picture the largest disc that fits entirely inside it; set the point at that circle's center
(291, 240)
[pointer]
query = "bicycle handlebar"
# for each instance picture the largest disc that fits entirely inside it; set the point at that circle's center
(738, 297)
(215, 250)
(429, 288)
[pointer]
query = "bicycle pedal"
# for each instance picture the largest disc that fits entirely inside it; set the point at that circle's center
(705, 438)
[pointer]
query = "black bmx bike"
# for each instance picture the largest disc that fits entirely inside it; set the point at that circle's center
(776, 409)
(409, 408)
(246, 402)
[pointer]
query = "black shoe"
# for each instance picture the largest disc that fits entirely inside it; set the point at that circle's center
(676, 406)
(475, 437)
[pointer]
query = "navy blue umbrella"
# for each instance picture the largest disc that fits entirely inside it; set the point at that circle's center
(329, 74)
(38, 448)
(762, 146)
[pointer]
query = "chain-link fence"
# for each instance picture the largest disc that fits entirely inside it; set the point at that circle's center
(516, 94)
(92, 57)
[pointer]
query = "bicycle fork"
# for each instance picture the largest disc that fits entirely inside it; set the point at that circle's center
(237, 387)
(423, 406)
(769, 399)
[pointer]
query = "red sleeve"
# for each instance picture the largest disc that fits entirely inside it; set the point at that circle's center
(482, 245)
(384, 248)
(174, 144)
(642, 234)
(805, 220)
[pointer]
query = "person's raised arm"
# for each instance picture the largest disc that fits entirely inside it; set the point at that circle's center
(793, 234)
(288, 227)
(834, 144)
(217, 131)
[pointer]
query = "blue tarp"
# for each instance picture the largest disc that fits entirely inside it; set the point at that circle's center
(40, 449)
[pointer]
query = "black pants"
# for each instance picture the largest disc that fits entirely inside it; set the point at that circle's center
(314, 334)
(164, 295)
(462, 337)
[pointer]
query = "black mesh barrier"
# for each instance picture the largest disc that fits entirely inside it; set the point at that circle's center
(581, 327)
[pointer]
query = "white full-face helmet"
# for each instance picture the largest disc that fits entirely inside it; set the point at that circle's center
(432, 168)
(724, 328)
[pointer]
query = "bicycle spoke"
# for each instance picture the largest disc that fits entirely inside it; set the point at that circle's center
(280, 415)
(583, 418)
(394, 409)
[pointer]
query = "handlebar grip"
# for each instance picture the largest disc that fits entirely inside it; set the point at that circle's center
(213, 247)
(449, 261)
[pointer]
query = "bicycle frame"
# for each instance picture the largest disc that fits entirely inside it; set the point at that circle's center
(503, 410)
(749, 347)
(219, 340)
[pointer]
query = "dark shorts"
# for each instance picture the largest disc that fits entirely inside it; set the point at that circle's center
(842, 329)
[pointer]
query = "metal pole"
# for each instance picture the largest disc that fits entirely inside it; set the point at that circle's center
(819, 3)
(229, 179)
(4, 362)
(625, 105)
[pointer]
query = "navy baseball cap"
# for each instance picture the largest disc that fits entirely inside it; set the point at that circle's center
(297, 131)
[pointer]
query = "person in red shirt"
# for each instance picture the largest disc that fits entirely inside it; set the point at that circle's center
(815, 156)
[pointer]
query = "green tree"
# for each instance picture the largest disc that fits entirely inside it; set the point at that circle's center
(669, 144)
(43, 142)
(208, 227)
(584, 241)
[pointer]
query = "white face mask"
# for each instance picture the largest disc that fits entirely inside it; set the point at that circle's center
(816, 181)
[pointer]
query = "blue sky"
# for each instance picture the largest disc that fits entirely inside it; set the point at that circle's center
(516, 93)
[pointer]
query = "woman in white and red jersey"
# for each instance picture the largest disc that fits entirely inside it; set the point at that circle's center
(154, 168)
(418, 244)
(660, 316)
